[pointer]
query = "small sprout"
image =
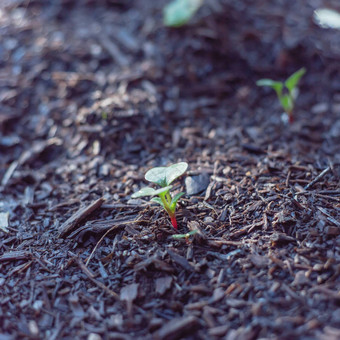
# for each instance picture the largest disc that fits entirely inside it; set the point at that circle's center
(164, 176)
(179, 12)
(286, 91)
(105, 115)
(186, 236)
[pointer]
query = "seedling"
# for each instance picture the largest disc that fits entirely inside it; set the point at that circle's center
(185, 236)
(286, 91)
(164, 176)
(179, 12)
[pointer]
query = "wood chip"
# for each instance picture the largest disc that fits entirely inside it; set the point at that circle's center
(163, 284)
(15, 255)
(129, 293)
(4, 221)
(79, 216)
(176, 328)
(182, 261)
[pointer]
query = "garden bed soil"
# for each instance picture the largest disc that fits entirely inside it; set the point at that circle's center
(95, 93)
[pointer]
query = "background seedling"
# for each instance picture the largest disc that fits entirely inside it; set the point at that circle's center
(164, 176)
(179, 12)
(286, 91)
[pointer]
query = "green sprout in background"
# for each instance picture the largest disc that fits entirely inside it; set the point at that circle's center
(164, 176)
(286, 91)
(178, 12)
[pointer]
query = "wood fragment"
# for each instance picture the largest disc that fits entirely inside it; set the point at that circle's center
(329, 217)
(280, 238)
(182, 261)
(157, 263)
(28, 155)
(8, 174)
(318, 177)
(163, 284)
(99, 227)
(4, 216)
(174, 329)
(219, 242)
(112, 49)
(96, 282)
(15, 255)
(79, 216)
(129, 292)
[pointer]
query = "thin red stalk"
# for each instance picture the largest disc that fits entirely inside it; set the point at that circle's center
(291, 118)
(173, 221)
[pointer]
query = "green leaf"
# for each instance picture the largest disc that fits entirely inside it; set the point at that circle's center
(166, 175)
(147, 191)
(177, 236)
(175, 199)
(287, 103)
(327, 18)
(276, 85)
(294, 79)
(179, 12)
(174, 171)
(157, 200)
(156, 175)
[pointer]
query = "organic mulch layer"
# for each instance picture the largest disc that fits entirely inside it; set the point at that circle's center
(95, 93)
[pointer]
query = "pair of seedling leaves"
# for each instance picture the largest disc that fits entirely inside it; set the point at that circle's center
(287, 98)
(164, 176)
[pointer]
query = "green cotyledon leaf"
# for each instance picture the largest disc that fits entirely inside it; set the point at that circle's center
(276, 85)
(294, 79)
(157, 176)
(174, 171)
(147, 191)
(179, 12)
(164, 176)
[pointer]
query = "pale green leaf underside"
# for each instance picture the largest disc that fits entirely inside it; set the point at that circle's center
(157, 176)
(174, 171)
(157, 200)
(166, 175)
(179, 12)
(147, 191)
(276, 85)
(294, 79)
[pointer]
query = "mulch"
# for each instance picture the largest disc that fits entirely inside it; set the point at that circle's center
(95, 93)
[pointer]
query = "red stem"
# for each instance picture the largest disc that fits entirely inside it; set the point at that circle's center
(173, 221)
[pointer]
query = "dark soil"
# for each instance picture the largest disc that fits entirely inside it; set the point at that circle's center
(95, 93)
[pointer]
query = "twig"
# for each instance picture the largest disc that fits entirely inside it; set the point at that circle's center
(318, 177)
(102, 238)
(112, 49)
(330, 218)
(98, 243)
(96, 282)
(8, 174)
(336, 199)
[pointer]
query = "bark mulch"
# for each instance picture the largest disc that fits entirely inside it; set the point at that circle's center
(95, 93)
